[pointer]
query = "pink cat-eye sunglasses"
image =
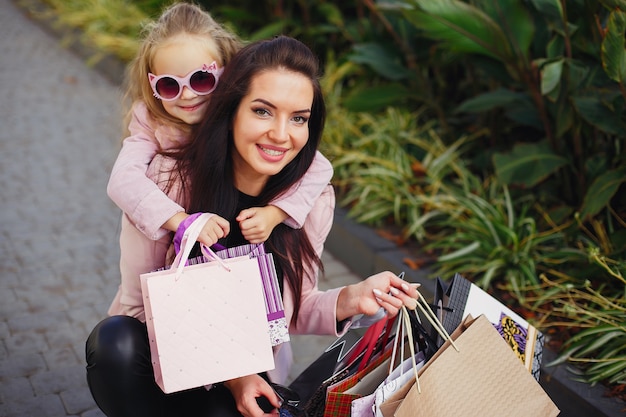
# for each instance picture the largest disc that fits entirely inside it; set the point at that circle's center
(201, 81)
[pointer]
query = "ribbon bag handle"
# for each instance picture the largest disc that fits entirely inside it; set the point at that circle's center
(189, 240)
(374, 340)
(405, 329)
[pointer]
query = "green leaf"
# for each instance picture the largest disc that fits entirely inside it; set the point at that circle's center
(578, 72)
(515, 21)
(488, 101)
(600, 341)
(592, 332)
(550, 9)
(524, 113)
(614, 4)
(459, 253)
(597, 114)
(527, 164)
(606, 370)
(564, 356)
(556, 47)
(551, 76)
(380, 59)
(601, 191)
(376, 98)
(565, 117)
(613, 52)
(460, 27)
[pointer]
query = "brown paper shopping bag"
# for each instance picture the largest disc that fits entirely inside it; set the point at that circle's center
(460, 298)
(206, 323)
(483, 378)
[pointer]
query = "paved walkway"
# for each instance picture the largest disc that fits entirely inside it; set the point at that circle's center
(59, 136)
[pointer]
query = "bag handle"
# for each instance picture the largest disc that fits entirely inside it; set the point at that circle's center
(406, 323)
(370, 342)
(434, 321)
(404, 326)
(189, 240)
(372, 332)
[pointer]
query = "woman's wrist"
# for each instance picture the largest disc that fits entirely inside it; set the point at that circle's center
(346, 307)
(228, 384)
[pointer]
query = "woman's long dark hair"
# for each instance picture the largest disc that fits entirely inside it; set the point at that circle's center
(205, 165)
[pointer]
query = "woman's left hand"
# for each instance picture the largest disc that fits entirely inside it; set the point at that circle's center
(384, 290)
(247, 389)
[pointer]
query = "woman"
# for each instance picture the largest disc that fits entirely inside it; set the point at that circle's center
(259, 137)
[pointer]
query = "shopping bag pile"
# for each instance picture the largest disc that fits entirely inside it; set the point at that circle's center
(466, 354)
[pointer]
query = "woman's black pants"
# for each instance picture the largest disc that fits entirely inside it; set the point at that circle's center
(121, 379)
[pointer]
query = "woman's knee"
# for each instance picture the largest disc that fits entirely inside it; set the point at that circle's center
(117, 341)
(119, 370)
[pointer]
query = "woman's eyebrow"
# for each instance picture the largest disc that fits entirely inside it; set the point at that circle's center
(269, 104)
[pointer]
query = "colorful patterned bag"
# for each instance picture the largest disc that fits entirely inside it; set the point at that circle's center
(370, 357)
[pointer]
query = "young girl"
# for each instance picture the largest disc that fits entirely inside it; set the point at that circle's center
(170, 81)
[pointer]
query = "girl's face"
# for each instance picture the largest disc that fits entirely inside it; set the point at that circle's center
(271, 126)
(180, 56)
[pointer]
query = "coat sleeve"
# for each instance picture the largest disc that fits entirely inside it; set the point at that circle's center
(299, 200)
(146, 206)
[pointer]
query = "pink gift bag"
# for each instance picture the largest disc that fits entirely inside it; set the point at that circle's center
(206, 323)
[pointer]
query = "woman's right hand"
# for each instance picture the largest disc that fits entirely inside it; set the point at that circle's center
(247, 389)
(384, 289)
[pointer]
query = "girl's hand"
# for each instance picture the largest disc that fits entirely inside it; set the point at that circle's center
(215, 228)
(257, 223)
(245, 391)
(384, 290)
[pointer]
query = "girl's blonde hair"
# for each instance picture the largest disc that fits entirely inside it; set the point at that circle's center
(177, 19)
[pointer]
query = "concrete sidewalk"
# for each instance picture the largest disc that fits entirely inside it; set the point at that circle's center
(60, 135)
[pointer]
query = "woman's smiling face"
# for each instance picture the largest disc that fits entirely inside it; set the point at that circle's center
(270, 127)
